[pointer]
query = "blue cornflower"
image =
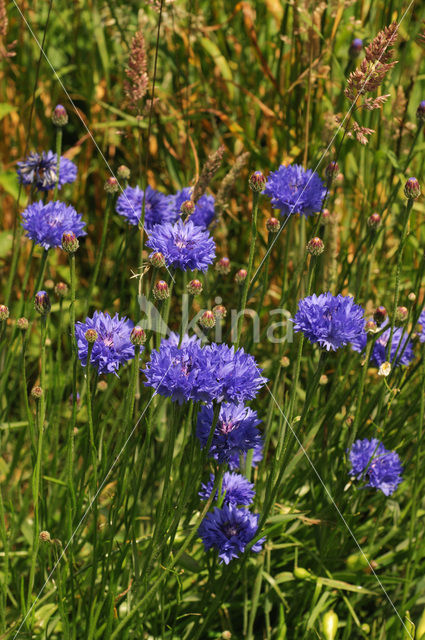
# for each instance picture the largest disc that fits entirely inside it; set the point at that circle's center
(204, 210)
(235, 432)
(157, 211)
(235, 459)
(371, 461)
(237, 378)
(330, 321)
(40, 170)
(112, 347)
(230, 530)
(421, 322)
(294, 190)
(174, 338)
(183, 245)
(46, 223)
(179, 372)
(401, 347)
(237, 489)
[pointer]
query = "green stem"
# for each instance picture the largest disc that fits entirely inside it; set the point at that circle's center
(255, 198)
(360, 391)
(109, 203)
(58, 161)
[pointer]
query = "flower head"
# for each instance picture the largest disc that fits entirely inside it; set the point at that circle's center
(330, 321)
(183, 245)
(294, 190)
(401, 347)
(235, 432)
(112, 347)
(229, 530)
(46, 223)
(237, 489)
(40, 170)
(130, 202)
(371, 461)
(204, 211)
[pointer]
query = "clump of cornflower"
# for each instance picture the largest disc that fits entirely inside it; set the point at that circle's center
(234, 461)
(329, 321)
(183, 245)
(371, 461)
(112, 347)
(401, 347)
(46, 223)
(235, 375)
(229, 530)
(130, 202)
(235, 488)
(40, 171)
(203, 213)
(295, 190)
(235, 432)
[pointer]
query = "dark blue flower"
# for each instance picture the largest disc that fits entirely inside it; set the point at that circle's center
(157, 211)
(183, 245)
(235, 432)
(229, 530)
(421, 322)
(40, 170)
(46, 223)
(237, 489)
(204, 210)
(294, 190)
(112, 347)
(236, 375)
(371, 461)
(330, 321)
(235, 459)
(401, 347)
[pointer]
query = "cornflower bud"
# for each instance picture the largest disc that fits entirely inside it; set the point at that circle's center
(42, 303)
(332, 170)
(111, 185)
(326, 216)
(157, 260)
(420, 112)
(49, 284)
(161, 290)
(315, 246)
(356, 47)
(4, 312)
(61, 290)
(223, 266)
(123, 172)
(379, 315)
(371, 327)
(194, 287)
(412, 190)
(44, 536)
(187, 208)
(219, 311)
(240, 276)
(330, 625)
(273, 225)
(207, 320)
(384, 369)
(102, 385)
(412, 297)
(257, 181)
(285, 362)
(137, 336)
(91, 335)
(59, 116)
(22, 324)
(36, 392)
(70, 242)
(401, 314)
(374, 221)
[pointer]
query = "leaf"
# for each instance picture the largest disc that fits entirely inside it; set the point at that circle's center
(9, 182)
(345, 586)
(5, 109)
(211, 48)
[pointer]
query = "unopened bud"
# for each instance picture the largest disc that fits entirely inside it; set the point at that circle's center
(332, 170)
(187, 208)
(240, 276)
(49, 284)
(123, 172)
(226, 635)
(285, 362)
(219, 311)
(273, 225)
(59, 116)
(420, 112)
(401, 314)
(412, 189)
(323, 379)
(315, 246)
(44, 536)
(330, 625)
(222, 266)
(4, 312)
(302, 574)
(111, 185)
(257, 181)
(157, 260)
(22, 324)
(102, 385)
(36, 392)
(371, 327)
(384, 369)
(374, 221)
(137, 336)
(194, 287)
(70, 242)
(161, 290)
(356, 47)
(379, 315)
(61, 290)
(207, 320)
(42, 303)
(409, 628)
(91, 335)
(326, 216)
(412, 297)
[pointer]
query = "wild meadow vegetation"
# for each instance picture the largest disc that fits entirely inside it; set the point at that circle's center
(212, 324)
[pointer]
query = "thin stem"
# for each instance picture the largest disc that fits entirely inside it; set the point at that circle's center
(255, 199)
(109, 203)
(58, 159)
